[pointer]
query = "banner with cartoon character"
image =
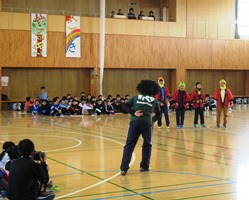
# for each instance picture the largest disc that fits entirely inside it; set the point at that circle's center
(38, 35)
(73, 37)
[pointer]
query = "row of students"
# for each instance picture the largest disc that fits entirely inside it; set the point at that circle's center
(68, 105)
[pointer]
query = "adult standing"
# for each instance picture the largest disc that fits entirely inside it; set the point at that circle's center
(162, 96)
(224, 99)
(141, 108)
(198, 99)
(181, 99)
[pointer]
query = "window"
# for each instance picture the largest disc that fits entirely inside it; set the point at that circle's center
(242, 17)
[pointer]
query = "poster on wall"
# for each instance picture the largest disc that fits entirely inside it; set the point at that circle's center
(38, 35)
(4, 80)
(73, 37)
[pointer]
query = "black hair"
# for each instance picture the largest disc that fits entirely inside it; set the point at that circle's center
(28, 98)
(54, 99)
(13, 152)
(6, 146)
(42, 87)
(148, 87)
(26, 147)
(64, 98)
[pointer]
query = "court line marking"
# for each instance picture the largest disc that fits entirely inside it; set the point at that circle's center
(96, 184)
(92, 136)
(66, 148)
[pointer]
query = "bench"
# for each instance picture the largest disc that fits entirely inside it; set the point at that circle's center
(7, 105)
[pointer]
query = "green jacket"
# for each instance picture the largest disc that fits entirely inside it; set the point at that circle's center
(147, 104)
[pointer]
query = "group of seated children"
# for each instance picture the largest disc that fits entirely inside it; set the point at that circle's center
(68, 105)
(131, 14)
(11, 153)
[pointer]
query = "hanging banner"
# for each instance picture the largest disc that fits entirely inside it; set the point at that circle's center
(73, 36)
(38, 35)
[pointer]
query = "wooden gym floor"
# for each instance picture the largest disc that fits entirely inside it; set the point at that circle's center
(84, 155)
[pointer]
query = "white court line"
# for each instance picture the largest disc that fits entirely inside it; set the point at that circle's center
(96, 184)
(99, 183)
(54, 150)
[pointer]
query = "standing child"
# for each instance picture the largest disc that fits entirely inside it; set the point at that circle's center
(141, 107)
(224, 99)
(180, 98)
(198, 99)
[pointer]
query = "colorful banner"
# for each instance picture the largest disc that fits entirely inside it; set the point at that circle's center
(38, 35)
(73, 37)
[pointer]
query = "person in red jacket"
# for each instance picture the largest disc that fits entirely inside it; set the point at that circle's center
(162, 97)
(198, 99)
(224, 99)
(181, 99)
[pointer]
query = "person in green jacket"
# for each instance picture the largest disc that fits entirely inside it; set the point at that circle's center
(141, 108)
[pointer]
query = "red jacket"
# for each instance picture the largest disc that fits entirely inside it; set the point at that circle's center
(166, 95)
(175, 98)
(195, 97)
(227, 99)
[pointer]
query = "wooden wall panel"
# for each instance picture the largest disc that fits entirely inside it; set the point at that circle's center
(179, 53)
(247, 83)
(210, 80)
(16, 45)
(58, 82)
(208, 13)
(124, 81)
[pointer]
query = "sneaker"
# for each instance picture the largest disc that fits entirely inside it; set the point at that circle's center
(159, 127)
(123, 173)
(53, 188)
(182, 126)
(167, 127)
(47, 197)
(217, 126)
(224, 125)
(144, 170)
(203, 126)
(194, 125)
(178, 127)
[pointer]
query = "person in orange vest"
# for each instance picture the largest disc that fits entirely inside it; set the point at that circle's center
(224, 99)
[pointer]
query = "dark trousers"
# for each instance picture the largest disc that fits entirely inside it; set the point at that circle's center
(164, 110)
(180, 112)
(199, 111)
(136, 128)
